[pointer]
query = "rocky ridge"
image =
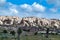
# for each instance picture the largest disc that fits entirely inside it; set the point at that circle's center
(29, 22)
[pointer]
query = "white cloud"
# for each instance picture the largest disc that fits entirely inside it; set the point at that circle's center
(53, 10)
(15, 11)
(55, 2)
(2, 2)
(56, 5)
(38, 7)
(26, 7)
(5, 12)
(34, 8)
(24, 10)
(10, 9)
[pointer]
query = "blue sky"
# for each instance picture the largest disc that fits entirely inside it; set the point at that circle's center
(24, 8)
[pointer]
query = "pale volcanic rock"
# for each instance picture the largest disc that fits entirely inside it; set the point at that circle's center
(29, 22)
(55, 23)
(4, 20)
(42, 22)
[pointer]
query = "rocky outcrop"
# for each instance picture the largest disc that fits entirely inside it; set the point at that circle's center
(29, 25)
(41, 22)
(29, 22)
(9, 20)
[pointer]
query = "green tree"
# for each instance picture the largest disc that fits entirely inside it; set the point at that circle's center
(35, 33)
(5, 31)
(19, 31)
(47, 32)
(13, 33)
(4, 34)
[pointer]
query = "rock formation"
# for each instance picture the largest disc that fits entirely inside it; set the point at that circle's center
(13, 21)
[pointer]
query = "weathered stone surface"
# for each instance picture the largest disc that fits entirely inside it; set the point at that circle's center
(29, 22)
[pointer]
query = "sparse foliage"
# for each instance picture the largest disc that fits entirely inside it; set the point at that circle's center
(12, 32)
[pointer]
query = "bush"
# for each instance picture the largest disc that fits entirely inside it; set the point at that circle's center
(12, 32)
(35, 33)
(5, 31)
(19, 31)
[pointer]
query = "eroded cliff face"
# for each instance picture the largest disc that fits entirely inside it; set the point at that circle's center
(9, 20)
(29, 22)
